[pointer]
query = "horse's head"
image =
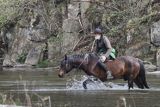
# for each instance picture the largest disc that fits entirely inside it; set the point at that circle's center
(65, 67)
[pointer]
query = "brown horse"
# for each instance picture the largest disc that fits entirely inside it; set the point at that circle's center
(125, 67)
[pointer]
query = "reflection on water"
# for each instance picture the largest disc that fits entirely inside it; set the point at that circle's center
(64, 92)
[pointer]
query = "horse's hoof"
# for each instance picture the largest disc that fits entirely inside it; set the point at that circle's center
(84, 86)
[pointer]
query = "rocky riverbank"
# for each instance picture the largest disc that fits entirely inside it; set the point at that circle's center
(40, 32)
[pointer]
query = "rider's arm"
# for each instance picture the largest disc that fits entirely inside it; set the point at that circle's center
(108, 46)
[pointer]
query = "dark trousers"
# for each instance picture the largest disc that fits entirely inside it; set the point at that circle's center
(102, 65)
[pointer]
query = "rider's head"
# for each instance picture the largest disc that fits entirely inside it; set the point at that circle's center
(98, 33)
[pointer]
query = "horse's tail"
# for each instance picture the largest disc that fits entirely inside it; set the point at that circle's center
(142, 74)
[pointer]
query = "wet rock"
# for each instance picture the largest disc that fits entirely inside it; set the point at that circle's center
(154, 73)
(158, 59)
(149, 66)
(23, 66)
(19, 43)
(155, 33)
(34, 55)
(1, 57)
(11, 106)
(1, 63)
(7, 61)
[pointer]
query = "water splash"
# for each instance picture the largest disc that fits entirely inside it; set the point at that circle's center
(76, 83)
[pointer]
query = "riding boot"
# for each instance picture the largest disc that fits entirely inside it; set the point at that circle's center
(103, 66)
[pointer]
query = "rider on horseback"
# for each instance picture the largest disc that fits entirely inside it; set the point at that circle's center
(103, 48)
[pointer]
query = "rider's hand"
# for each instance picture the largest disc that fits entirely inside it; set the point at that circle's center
(102, 58)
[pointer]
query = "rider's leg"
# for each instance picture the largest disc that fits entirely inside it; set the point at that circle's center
(103, 66)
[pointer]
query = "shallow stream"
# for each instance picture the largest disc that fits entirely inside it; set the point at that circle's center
(68, 91)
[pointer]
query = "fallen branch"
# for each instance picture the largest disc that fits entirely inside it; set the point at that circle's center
(81, 41)
(77, 44)
(93, 45)
(82, 44)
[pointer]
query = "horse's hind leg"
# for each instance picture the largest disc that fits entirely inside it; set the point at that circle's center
(145, 83)
(138, 82)
(143, 80)
(142, 74)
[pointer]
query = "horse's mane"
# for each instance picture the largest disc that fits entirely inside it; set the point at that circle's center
(81, 57)
(76, 57)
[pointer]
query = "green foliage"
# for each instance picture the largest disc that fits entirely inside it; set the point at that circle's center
(115, 18)
(115, 22)
(56, 39)
(9, 100)
(136, 22)
(93, 13)
(17, 101)
(9, 9)
(113, 32)
(21, 58)
(43, 64)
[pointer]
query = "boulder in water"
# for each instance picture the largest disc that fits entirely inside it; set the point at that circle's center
(158, 59)
(149, 66)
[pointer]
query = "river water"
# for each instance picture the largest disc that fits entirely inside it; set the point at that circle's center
(45, 86)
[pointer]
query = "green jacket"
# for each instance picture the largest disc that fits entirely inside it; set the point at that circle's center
(104, 47)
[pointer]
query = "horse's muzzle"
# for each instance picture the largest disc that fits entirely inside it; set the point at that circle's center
(61, 74)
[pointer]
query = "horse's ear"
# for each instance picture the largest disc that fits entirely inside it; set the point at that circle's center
(65, 57)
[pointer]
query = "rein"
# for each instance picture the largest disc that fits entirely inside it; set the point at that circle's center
(85, 57)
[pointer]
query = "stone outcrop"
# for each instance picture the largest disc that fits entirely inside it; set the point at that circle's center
(74, 24)
(30, 33)
(1, 54)
(150, 67)
(155, 40)
(44, 23)
(158, 59)
(138, 49)
(155, 34)
(51, 28)
(71, 28)
(34, 55)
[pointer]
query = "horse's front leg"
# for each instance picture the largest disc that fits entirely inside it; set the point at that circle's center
(130, 84)
(88, 81)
